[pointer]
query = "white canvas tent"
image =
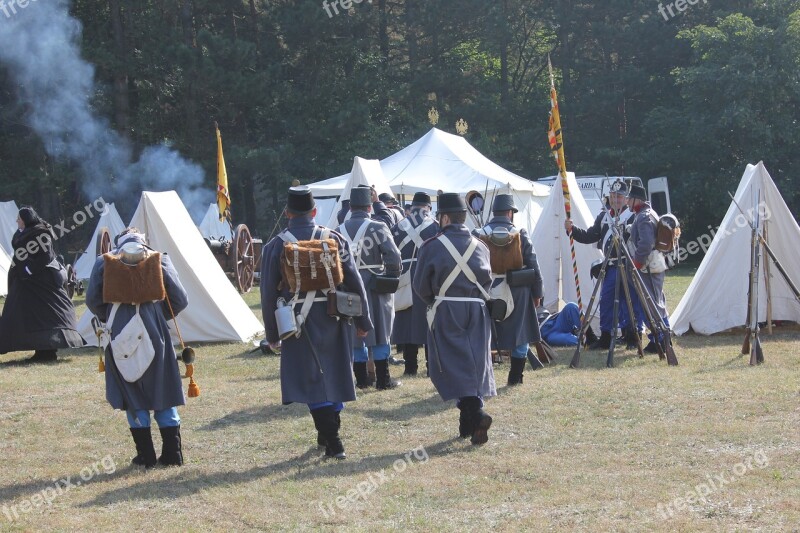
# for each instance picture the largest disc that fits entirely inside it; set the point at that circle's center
(110, 220)
(551, 243)
(216, 311)
(442, 161)
(212, 227)
(8, 224)
(365, 172)
(716, 300)
(5, 264)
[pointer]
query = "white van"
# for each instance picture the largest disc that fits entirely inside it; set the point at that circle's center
(594, 188)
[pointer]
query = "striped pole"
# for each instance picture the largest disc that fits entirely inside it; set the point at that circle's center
(556, 140)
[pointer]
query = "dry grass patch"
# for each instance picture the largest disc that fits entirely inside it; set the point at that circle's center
(592, 449)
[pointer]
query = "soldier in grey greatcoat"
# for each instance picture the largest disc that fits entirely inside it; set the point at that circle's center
(410, 329)
(159, 389)
(521, 327)
(453, 278)
(641, 244)
(316, 366)
(375, 255)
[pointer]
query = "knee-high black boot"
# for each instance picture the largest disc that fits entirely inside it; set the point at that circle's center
(360, 371)
(383, 380)
(410, 353)
(328, 422)
(145, 452)
(515, 373)
(481, 421)
(464, 421)
(171, 448)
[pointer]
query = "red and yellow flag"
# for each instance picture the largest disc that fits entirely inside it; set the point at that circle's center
(556, 139)
(223, 197)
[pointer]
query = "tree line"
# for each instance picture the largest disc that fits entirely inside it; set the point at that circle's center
(299, 88)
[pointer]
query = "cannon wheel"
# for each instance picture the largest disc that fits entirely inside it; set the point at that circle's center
(103, 242)
(72, 281)
(242, 250)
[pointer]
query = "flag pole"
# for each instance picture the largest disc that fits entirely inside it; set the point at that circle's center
(556, 140)
(223, 195)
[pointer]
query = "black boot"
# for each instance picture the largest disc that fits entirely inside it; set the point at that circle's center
(515, 374)
(481, 421)
(590, 337)
(360, 370)
(410, 352)
(328, 422)
(464, 422)
(43, 356)
(383, 380)
(171, 449)
(604, 342)
(631, 340)
(145, 452)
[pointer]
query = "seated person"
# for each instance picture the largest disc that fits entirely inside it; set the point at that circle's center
(562, 328)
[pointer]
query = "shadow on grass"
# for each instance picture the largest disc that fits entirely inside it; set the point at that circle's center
(28, 363)
(307, 466)
(408, 411)
(257, 415)
(25, 491)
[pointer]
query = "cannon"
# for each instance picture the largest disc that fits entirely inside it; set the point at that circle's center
(240, 258)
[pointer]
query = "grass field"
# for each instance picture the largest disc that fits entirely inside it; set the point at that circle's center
(710, 445)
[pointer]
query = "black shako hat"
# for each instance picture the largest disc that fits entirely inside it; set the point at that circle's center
(360, 197)
(385, 197)
(421, 199)
(619, 187)
(504, 202)
(300, 200)
(28, 216)
(451, 202)
(638, 192)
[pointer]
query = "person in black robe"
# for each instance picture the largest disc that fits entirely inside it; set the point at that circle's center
(38, 314)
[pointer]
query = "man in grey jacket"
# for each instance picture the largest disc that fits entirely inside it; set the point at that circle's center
(375, 255)
(642, 244)
(453, 278)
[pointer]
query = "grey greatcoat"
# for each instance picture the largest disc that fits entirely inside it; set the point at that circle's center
(642, 242)
(409, 325)
(522, 325)
(160, 387)
(302, 381)
(379, 255)
(460, 357)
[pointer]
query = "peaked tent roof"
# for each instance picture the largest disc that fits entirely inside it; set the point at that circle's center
(365, 172)
(447, 162)
(8, 224)
(212, 227)
(553, 252)
(216, 312)
(109, 219)
(716, 300)
(5, 264)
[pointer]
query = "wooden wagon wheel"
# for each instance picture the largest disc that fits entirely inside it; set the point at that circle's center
(103, 242)
(72, 281)
(242, 251)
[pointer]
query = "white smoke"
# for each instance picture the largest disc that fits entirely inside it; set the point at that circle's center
(40, 48)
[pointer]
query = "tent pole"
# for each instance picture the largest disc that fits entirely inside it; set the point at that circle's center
(767, 284)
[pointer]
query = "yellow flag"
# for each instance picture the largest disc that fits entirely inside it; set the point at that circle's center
(223, 198)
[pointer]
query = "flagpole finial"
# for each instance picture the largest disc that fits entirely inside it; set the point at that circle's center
(216, 125)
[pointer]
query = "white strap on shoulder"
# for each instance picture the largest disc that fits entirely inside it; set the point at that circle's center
(113, 314)
(286, 236)
(461, 262)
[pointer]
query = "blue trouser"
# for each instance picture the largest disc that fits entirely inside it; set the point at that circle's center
(607, 303)
(520, 352)
(337, 406)
(380, 352)
(559, 330)
(166, 418)
(660, 339)
(638, 310)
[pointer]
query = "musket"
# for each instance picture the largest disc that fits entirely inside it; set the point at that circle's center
(756, 355)
(771, 254)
